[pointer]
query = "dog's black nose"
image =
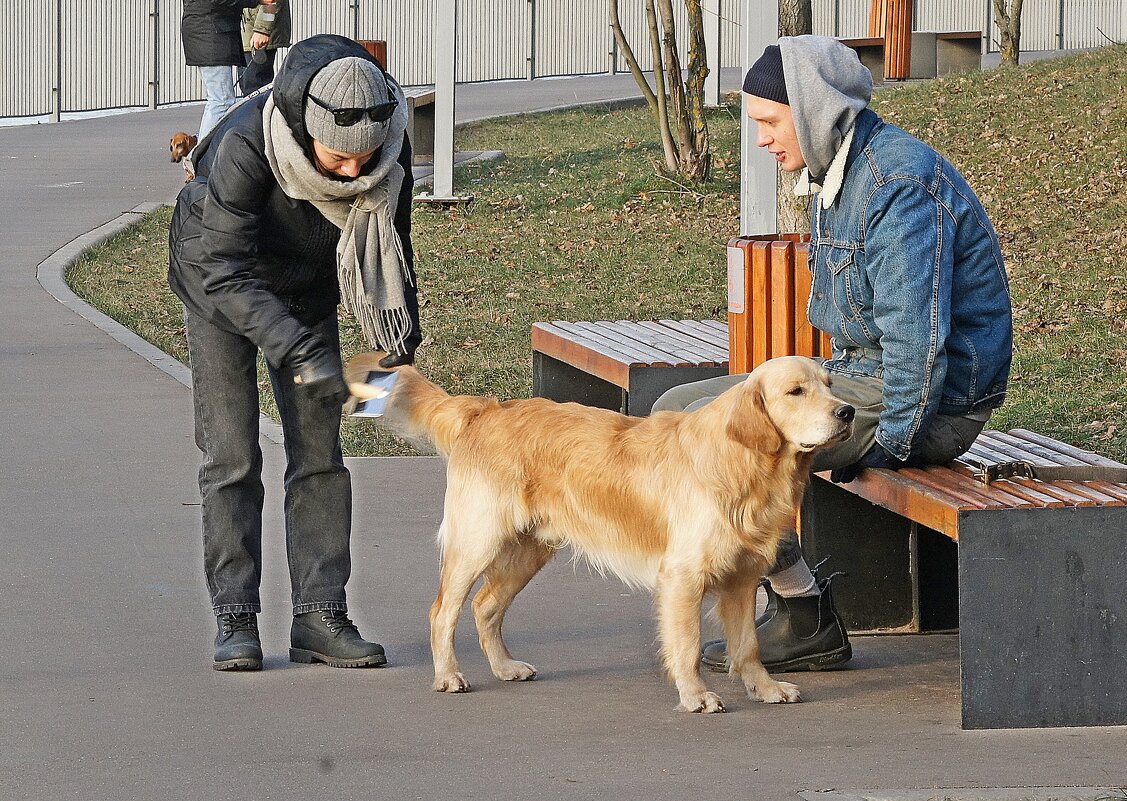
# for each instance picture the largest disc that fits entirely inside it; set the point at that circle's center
(845, 412)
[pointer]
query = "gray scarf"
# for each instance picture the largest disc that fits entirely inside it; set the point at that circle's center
(371, 266)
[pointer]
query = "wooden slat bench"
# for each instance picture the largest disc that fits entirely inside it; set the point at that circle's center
(624, 365)
(870, 50)
(420, 121)
(1030, 572)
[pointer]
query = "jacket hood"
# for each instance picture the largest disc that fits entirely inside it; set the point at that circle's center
(304, 60)
(828, 87)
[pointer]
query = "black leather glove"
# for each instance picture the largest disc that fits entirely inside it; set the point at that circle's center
(317, 372)
(877, 456)
(397, 359)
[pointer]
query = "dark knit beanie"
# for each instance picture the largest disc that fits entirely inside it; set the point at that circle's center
(347, 83)
(765, 78)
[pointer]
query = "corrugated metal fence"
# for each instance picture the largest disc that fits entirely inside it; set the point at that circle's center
(64, 56)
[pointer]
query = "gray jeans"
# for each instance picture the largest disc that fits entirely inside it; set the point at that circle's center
(318, 488)
(947, 438)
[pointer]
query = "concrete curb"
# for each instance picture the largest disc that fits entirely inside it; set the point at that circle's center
(972, 794)
(51, 274)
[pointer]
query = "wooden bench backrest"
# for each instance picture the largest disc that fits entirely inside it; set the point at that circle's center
(768, 289)
(892, 19)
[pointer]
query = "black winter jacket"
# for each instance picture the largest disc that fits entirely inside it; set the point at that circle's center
(209, 31)
(244, 255)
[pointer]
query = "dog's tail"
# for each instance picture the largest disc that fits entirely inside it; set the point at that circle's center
(417, 407)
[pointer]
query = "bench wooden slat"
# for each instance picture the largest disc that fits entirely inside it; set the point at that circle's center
(995, 490)
(1034, 453)
(1057, 491)
(586, 355)
(1115, 490)
(637, 352)
(1027, 488)
(661, 336)
(971, 495)
(1082, 456)
(1084, 488)
(699, 328)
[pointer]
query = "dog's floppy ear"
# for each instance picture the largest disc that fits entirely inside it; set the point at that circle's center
(748, 422)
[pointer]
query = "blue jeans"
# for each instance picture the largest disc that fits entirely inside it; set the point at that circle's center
(318, 488)
(219, 85)
(946, 439)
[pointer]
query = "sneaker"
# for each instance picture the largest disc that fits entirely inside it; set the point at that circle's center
(329, 636)
(237, 646)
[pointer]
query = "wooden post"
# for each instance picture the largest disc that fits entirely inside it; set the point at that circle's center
(892, 20)
(768, 290)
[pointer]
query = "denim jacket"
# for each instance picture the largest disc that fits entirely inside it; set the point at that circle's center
(908, 281)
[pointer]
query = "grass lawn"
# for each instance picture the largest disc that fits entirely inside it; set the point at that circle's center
(575, 224)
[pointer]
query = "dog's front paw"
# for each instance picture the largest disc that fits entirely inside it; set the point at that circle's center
(452, 683)
(515, 671)
(775, 692)
(702, 702)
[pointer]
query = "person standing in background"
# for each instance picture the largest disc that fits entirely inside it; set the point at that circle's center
(266, 27)
(209, 32)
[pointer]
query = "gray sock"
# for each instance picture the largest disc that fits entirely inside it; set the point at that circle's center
(794, 581)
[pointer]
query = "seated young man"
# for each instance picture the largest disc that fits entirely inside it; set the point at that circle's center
(907, 280)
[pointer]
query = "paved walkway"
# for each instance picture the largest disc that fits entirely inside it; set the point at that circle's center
(106, 689)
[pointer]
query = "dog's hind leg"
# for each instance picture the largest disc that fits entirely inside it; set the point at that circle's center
(509, 573)
(680, 593)
(736, 608)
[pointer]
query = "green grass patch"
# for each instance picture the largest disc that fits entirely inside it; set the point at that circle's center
(576, 224)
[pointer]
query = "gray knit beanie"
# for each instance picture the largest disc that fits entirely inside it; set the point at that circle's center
(347, 83)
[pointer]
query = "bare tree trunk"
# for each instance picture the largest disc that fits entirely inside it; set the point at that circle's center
(674, 100)
(655, 99)
(792, 213)
(1007, 16)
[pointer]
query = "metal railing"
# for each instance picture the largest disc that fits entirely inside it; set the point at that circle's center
(63, 56)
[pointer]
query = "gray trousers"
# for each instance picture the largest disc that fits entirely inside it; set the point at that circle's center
(945, 439)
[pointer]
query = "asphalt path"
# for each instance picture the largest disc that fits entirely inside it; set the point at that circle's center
(106, 687)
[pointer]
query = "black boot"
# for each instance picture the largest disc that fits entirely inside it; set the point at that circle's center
(330, 637)
(237, 646)
(802, 633)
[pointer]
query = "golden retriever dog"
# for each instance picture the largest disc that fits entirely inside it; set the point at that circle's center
(684, 503)
(179, 146)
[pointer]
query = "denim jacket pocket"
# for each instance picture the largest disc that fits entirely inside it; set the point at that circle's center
(846, 277)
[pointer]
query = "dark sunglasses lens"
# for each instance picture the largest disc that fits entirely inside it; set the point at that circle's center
(347, 116)
(383, 112)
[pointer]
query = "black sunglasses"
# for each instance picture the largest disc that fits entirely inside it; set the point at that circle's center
(345, 117)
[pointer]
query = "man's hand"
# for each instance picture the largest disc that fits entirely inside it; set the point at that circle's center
(877, 456)
(317, 372)
(259, 40)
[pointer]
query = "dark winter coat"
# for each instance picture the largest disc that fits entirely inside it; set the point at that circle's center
(244, 255)
(209, 30)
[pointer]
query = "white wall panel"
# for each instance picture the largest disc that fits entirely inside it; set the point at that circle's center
(108, 52)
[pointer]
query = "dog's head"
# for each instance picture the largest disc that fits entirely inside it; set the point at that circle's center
(180, 145)
(787, 403)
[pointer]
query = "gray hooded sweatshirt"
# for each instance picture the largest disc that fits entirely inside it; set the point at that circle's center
(828, 87)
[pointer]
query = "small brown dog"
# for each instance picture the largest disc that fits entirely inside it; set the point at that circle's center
(685, 503)
(179, 146)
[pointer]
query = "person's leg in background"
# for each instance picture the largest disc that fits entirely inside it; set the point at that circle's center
(218, 83)
(258, 72)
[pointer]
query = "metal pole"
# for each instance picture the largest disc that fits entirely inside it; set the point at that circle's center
(531, 39)
(57, 110)
(758, 176)
(711, 12)
(154, 65)
(445, 59)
